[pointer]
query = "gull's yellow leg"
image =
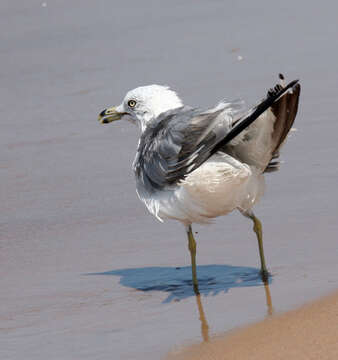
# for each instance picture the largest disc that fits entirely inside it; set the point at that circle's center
(259, 233)
(192, 249)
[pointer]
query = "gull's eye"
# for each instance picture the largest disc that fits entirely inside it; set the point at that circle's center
(131, 103)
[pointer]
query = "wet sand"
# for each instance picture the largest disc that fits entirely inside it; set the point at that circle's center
(86, 272)
(310, 332)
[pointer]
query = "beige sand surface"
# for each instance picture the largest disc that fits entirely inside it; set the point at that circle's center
(310, 332)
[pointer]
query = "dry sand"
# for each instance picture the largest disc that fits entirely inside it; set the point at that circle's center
(310, 332)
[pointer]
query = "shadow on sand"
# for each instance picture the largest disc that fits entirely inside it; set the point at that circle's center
(176, 281)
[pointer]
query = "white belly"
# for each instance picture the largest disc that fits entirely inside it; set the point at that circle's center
(216, 188)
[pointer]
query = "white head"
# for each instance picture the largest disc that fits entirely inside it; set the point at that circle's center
(143, 104)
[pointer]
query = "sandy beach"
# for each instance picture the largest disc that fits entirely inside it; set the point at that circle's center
(310, 332)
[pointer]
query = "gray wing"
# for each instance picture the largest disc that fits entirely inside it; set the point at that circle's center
(179, 142)
(259, 144)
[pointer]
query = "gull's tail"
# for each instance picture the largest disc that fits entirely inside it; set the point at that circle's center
(277, 102)
(284, 111)
(258, 145)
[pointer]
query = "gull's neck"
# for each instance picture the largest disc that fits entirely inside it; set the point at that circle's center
(155, 111)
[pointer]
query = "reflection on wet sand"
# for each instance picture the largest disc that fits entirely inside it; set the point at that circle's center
(270, 309)
(176, 282)
(204, 321)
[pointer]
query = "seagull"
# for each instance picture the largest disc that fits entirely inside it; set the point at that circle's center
(194, 165)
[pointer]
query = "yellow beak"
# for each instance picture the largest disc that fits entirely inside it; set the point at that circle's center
(108, 115)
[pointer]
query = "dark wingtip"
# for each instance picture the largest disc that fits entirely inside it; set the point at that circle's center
(275, 90)
(279, 88)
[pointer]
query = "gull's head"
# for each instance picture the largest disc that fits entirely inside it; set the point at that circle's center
(143, 104)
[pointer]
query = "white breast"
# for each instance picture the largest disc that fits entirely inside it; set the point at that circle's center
(216, 188)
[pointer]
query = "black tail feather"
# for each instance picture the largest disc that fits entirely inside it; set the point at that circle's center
(273, 95)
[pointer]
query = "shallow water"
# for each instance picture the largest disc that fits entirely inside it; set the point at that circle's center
(86, 272)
